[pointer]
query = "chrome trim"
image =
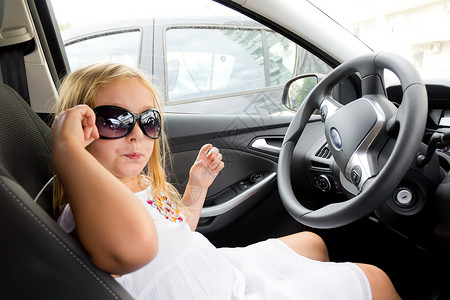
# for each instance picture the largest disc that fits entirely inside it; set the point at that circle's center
(261, 144)
(331, 105)
(217, 210)
(360, 156)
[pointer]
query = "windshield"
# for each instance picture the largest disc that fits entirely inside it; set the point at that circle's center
(414, 29)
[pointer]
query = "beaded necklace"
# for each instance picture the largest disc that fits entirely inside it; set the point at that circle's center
(167, 208)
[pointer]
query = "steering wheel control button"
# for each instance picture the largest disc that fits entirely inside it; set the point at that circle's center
(336, 138)
(403, 197)
(323, 113)
(355, 175)
(323, 183)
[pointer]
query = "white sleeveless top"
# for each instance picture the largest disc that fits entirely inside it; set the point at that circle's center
(188, 266)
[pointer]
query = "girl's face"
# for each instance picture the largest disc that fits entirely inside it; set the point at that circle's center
(125, 157)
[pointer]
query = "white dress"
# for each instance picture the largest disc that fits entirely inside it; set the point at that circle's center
(188, 266)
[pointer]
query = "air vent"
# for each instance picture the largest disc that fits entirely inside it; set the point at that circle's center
(324, 152)
(319, 165)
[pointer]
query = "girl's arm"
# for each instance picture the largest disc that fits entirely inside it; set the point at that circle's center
(111, 223)
(202, 174)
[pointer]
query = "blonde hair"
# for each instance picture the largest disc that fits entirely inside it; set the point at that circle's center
(81, 87)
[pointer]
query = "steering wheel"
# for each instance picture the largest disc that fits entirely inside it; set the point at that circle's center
(356, 135)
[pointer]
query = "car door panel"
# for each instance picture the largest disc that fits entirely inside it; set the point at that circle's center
(249, 173)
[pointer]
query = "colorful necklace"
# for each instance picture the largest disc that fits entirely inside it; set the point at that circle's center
(166, 208)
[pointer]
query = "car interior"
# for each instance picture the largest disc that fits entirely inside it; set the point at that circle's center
(283, 174)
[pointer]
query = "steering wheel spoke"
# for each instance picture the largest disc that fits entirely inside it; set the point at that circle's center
(328, 107)
(363, 162)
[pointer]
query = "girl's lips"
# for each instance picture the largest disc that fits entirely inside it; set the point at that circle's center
(134, 155)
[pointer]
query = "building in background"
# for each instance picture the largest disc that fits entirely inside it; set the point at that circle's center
(406, 27)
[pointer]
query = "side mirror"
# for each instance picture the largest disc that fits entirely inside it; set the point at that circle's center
(297, 89)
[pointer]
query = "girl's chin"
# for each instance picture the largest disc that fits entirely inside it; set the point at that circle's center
(129, 174)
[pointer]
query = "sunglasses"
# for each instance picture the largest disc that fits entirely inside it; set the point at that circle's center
(115, 122)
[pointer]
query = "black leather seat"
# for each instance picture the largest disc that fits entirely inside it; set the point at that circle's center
(37, 259)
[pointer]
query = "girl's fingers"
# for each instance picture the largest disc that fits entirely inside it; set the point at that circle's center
(90, 135)
(204, 151)
(77, 122)
(89, 128)
(217, 159)
(218, 168)
(213, 152)
(210, 158)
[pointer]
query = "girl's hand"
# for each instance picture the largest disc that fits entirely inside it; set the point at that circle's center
(202, 174)
(206, 167)
(75, 125)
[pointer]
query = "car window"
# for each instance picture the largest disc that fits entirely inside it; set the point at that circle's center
(206, 61)
(281, 55)
(117, 46)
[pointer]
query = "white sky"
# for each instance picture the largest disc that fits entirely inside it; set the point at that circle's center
(81, 12)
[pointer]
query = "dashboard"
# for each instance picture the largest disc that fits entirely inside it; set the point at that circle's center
(438, 92)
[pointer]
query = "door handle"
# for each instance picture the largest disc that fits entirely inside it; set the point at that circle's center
(261, 144)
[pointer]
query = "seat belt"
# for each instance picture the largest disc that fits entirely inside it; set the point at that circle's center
(13, 68)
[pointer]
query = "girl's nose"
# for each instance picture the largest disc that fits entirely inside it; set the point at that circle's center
(136, 134)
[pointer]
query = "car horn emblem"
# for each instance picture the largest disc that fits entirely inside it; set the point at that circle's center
(336, 138)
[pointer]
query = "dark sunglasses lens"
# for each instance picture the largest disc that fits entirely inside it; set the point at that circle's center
(150, 123)
(113, 122)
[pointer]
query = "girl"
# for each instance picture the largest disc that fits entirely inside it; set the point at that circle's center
(135, 225)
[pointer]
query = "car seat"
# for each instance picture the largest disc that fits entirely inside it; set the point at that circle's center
(38, 260)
